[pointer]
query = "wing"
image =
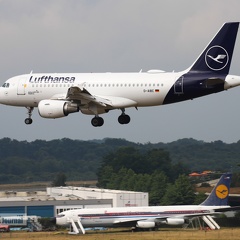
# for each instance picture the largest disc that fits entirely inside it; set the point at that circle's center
(78, 94)
(88, 101)
(164, 218)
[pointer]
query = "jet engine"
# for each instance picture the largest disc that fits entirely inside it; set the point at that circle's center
(175, 221)
(144, 224)
(56, 108)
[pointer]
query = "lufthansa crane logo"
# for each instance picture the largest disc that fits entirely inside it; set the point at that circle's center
(222, 191)
(216, 58)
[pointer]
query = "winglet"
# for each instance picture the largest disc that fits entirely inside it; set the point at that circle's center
(219, 195)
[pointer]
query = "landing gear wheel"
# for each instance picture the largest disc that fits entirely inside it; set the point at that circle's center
(28, 121)
(124, 119)
(97, 121)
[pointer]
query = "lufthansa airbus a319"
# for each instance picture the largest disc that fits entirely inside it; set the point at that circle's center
(58, 95)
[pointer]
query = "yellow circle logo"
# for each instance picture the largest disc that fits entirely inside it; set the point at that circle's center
(222, 191)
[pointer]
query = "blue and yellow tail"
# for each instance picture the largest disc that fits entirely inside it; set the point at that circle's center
(219, 195)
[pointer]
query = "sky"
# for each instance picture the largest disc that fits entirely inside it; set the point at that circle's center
(118, 36)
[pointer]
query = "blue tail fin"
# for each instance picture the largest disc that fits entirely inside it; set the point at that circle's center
(219, 195)
(217, 55)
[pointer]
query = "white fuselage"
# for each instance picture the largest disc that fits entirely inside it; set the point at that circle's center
(146, 89)
(110, 217)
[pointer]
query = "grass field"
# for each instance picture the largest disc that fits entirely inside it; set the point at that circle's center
(169, 234)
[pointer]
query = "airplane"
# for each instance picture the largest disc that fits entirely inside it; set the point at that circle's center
(150, 217)
(57, 95)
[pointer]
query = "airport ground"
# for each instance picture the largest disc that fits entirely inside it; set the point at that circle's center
(162, 234)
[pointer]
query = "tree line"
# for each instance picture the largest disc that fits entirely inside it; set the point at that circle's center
(22, 161)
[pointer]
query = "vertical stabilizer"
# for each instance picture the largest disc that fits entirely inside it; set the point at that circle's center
(217, 56)
(220, 193)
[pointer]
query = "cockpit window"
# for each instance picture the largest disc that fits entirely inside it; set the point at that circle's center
(5, 85)
(60, 215)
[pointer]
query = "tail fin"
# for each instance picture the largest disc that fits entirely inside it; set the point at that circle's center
(219, 195)
(217, 55)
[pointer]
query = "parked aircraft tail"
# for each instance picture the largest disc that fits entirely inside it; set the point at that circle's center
(217, 55)
(220, 193)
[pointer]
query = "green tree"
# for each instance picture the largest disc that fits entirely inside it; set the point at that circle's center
(105, 176)
(158, 185)
(60, 180)
(179, 193)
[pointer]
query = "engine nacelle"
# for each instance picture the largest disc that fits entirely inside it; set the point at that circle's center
(175, 221)
(144, 224)
(56, 108)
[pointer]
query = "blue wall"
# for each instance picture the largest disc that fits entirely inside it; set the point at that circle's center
(42, 211)
(12, 210)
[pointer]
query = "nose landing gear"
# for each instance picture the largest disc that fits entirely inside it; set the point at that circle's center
(29, 119)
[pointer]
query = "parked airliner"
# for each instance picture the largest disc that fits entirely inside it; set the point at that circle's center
(58, 95)
(150, 217)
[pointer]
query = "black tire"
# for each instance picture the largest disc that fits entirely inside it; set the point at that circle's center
(97, 121)
(123, 119)
(28, 121)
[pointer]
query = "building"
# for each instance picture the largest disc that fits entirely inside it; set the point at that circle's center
(15, 206)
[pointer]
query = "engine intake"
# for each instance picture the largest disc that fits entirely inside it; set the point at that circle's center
(56, 108)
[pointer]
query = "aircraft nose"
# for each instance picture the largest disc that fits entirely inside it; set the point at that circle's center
(3, 95)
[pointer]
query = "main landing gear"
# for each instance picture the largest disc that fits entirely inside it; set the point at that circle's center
(97, 121)
(122, 119)
(29, 119)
